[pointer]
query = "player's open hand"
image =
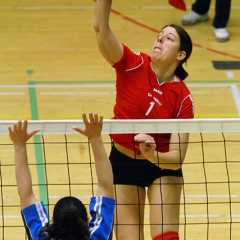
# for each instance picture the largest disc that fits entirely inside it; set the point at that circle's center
(18, 133)
(93, 126)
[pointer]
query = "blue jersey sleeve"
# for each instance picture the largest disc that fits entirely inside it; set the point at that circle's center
(102, 213)
(35, 217)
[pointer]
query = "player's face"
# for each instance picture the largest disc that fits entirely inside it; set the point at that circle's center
(166, 45)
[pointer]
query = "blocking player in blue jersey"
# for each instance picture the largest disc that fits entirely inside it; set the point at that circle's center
(70, 218)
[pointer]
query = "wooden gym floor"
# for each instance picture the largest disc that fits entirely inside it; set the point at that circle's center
(51, 69)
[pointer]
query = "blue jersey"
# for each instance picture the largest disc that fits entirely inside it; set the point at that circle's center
(101, 208)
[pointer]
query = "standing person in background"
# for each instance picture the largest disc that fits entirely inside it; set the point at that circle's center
(70, 218)
(199, 13)
(148, 87)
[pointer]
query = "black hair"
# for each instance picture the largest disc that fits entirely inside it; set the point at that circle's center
(185, 45)
(69, 221)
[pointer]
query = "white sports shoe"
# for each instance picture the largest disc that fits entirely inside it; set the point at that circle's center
(192, 18)
(221, 34)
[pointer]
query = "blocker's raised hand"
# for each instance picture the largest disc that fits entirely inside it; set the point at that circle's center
(93, 126)
(18, 133)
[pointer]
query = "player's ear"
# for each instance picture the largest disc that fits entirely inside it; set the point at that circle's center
(181, 55)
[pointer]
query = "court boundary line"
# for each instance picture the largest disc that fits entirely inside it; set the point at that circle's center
(38, 147)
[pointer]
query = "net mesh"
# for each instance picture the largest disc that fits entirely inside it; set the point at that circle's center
(62, 164)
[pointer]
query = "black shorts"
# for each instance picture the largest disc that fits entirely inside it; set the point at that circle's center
(129, 171)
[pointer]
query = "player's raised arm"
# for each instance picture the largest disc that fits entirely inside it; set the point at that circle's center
(92, 130)
(19, 136)
(110, 48)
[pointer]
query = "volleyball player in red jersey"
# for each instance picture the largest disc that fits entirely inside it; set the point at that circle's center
(148, 87)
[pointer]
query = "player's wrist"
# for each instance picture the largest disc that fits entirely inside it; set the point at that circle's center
(19, 147)
(96, 139)
(155, 158)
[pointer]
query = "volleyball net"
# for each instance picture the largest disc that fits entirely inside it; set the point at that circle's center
(62, 164)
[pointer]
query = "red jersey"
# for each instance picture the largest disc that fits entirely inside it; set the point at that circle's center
(140, 96)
